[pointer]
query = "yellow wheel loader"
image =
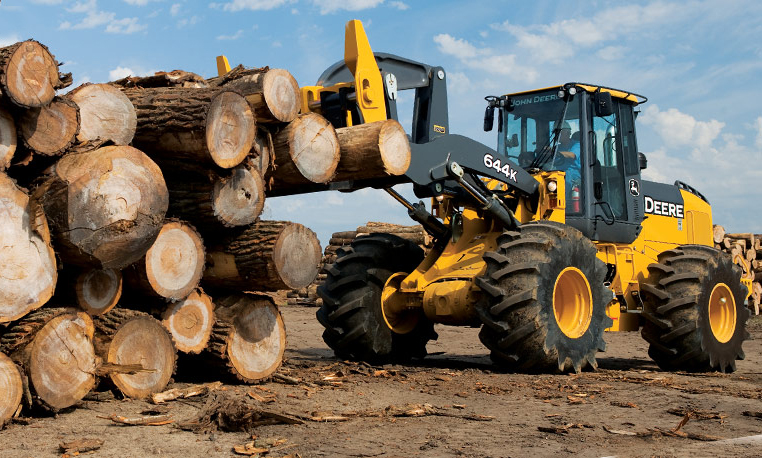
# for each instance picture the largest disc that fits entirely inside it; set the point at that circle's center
(544, 243)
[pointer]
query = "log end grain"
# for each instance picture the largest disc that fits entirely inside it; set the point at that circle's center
(281, 94)
(30, 74)
(105, 114)
(62, 360)
(297, 256)
(175, 262)
(190, 322)
(98, 290)
(51, 129)
(394, 147)
(309, 143)
(11, 387)
(230, 129)
(28, 272)
(239, 199)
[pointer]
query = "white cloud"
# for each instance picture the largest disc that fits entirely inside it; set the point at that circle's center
(402, 6)
(193, 20)
(174, 10)
(458, 82)
(758, 126)
(294, 11)
(9, 40)
(679, 129)
(485, 60)
(120, 72)
(235, 36)
(332, 6)
(140, 2)
(335, 199)
(253, 5)
(125, 26)
(47, 2)
(611, 52)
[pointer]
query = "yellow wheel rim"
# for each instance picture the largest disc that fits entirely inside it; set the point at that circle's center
(394, 306)
(572, 302)
(722, 313)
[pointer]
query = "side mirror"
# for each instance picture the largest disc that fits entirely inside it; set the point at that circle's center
(603, 104)
(489, 117)
(642, 161)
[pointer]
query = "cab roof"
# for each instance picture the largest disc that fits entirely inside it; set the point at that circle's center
(616, 93)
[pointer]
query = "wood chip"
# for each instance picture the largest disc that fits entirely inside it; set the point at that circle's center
(249, 449)
(148, 420)
(80, 446)
(182, 393)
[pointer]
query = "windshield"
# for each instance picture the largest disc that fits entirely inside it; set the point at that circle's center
(541, 130)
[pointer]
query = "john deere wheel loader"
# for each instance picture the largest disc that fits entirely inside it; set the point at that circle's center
(544, 243)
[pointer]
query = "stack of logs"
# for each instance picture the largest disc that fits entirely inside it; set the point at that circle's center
(308, 296)
(746, 250)
(122, 200)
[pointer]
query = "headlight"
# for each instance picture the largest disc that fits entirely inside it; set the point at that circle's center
(552, 186)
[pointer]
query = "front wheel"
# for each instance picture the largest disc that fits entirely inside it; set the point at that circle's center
(545, 307)
(694, 310)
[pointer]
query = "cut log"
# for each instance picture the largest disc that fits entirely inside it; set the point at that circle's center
(273, 94)
(210, 126)
(267, 256)
(106, 114)
(373, 150)
(175, 78)
(28, 272)
(8, 138)
(173, 266)
(388, 228)
(718, 233)
(263, 151)
(306, 151)
(105, 206)
(55, 348)
(51, 129)
(98, 290)
(127, 337)
(29, 74)
(211, 201)
(249, 337)
(11, 387)
(190, 322)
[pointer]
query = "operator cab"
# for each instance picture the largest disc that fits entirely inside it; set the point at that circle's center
(588, 132)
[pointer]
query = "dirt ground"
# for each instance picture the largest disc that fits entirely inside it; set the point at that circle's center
(454, 403)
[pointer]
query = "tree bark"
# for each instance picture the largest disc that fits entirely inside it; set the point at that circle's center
(211, 126)
(263, 151)
(106, 114)
(55, 348)
(29, 74)
(267, 256)
(11, 387)
(51, 129)
(249, 337)
(190, 322)
(175, 78)
(8, 138)
(306, 151)
(211, 201)
(128, 337)
(373, 150)
(273, 94)
(105, 206)
(173, 266)
(28, 272)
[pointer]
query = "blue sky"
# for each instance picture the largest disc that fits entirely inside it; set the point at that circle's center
(698, 62)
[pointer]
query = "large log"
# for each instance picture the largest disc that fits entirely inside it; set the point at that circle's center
(173, 266)
(266, 256)
(29, 74)
(211, 201)
(11, 387)
(306, 151)
(249, 337)
(8, 138)
(190, 322)
(106, 114)
(373, 150)
(55, 348)
(273, 94)
(128, 337)
(27, 262)
(105, 206)
(210, 126)
(51, 129)
(175, 78)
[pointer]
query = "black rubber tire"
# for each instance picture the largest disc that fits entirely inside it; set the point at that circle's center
(351, 312)
(519, 326)
(676, 310)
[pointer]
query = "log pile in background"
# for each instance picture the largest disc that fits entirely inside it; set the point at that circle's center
(746, 250)
(307, 296)
(132, 231)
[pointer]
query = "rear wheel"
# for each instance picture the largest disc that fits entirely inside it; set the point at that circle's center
(694, 310)
(352, 315)
(545, 307)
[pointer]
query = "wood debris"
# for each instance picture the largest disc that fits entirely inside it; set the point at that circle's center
(147, 420)
(80, 446)
(183, 393)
